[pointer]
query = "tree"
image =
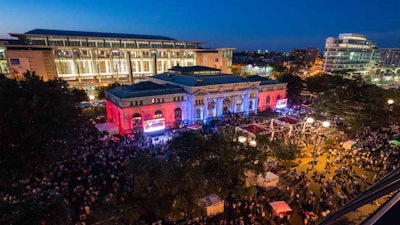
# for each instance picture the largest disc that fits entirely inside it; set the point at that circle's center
(100, 91)
(36, 114)
(294, 87)
(323, 82)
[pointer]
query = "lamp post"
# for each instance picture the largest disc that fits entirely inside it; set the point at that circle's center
(390, 108)
(325, 124)
(309, 120)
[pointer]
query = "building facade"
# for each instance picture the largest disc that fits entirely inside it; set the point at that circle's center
(220, 58)
(90, 59)
(3, 60)
(390, 57)
(189, 95)
(351, 53)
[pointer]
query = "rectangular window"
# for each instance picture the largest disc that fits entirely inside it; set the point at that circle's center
(141, 102)
(100, 44)
(14, 61)
(198, 113)
(146, 66)
(130, 45)
(115, 44)
(56, 43)
(37, 42)
(74, 43)
(91, 44)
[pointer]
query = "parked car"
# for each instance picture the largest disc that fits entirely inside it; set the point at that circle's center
(85, 105)
(99, 103)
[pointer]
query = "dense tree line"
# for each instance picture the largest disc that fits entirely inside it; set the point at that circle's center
(35, 115)
(199, 165)
(358, 102)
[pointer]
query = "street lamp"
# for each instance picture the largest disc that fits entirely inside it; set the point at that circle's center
(390, 103)
(242, 139)
(326, 124)
(91, 97)
(309, 120)
(318, 140)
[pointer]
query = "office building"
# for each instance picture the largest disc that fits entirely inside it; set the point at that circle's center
(350, 54)
(390, 58)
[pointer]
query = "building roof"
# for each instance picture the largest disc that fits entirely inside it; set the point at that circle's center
(95, 34)
(264, 80)
(145, 88)
(200, 80)
(193, 69)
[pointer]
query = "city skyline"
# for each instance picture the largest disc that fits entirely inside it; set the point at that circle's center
(261, 25)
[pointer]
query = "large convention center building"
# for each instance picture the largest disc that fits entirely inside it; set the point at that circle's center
(91, 59)
(189, 95)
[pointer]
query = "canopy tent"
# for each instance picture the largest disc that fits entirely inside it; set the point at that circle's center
(108, 127)
(280, 207)
(195, 126)
(347, 145)
(213, 204)
(268, 181)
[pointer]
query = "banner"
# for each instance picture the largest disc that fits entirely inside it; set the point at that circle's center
(281, 103)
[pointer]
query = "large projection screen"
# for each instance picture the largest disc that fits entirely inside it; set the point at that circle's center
(154, 125)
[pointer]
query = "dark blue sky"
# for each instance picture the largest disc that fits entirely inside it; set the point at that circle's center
(245, 25)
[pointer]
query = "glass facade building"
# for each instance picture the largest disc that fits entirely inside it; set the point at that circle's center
(350, 53)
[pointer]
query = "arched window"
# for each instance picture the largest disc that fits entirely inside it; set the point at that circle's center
(239, 100)
(158, 114)
(178, 114)
(278, 97)
(225, 107)
(137, 119)
(211, 104)
(268, 100)
(226, 101)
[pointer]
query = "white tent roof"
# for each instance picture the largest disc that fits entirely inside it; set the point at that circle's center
(348, 144)
(109, 127)
(280, 207)
(210, 200)
(195, 127)
(271, 176)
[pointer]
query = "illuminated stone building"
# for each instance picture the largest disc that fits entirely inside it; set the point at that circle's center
(90, 59)
(190, 95)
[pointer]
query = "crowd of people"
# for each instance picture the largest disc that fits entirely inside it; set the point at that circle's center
(93, 171)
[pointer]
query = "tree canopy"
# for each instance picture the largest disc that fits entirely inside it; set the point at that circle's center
(214, 164)
(294, 87)
(35, 114)
(356, 101)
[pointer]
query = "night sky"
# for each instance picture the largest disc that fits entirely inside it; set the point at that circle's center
(275, 25)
